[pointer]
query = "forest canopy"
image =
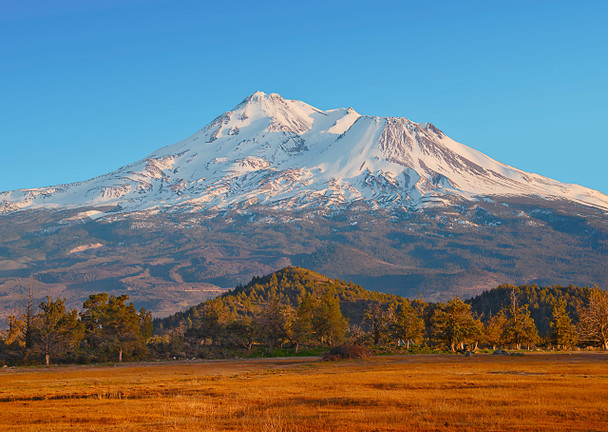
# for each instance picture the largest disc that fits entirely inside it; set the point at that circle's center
(297, 311)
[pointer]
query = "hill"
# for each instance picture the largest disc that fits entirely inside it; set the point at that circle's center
(288, 286)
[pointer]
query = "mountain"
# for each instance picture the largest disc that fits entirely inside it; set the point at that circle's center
(288, 156)
(386, 202)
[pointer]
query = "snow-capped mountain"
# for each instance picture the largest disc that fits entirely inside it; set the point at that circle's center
(393, 205)
(287, 155)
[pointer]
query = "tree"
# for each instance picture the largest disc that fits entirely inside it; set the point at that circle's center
(593, 319)
(274, 323)
(14, 335)
(408, 324)
(28, 322)
(454, 325)
(328, 322)
(242, 332)
(113, 326)
(493, 334)
(92, 317)
(12, 344)
(302, 328)
(378, 319)
(55, 330)
(520, 327)
(211, 322)
(563, 333)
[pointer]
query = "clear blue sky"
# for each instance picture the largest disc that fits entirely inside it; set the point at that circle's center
(87, 86)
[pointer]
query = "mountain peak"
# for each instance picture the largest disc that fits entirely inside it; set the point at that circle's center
(257, 94)
(288, 155)
(260, 96)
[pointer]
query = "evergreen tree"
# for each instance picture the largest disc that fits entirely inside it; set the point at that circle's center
(55, 330)
(329, 323)
(13, 340)
(14, 335)
(242, 332)
(303, 329)
(91, 316)
(274, 323)
(563, 333)
(379, 319)
(29, 316)
(408, 325)
(494, 331)
(454, 325)
(520, 327)
(121, 326)
(210, 321)
(112, 326)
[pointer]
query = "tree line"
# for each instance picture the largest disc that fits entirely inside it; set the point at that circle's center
(105, 329)
(296, 310)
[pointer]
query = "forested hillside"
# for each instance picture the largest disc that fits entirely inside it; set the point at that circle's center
(288, 286)
(540, 300)
(296, 310)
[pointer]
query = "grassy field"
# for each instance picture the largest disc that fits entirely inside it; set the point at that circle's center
(537, 392)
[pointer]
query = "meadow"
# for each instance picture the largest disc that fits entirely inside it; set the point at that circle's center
(533, 392)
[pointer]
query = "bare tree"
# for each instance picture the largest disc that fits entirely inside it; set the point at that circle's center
(28, 323)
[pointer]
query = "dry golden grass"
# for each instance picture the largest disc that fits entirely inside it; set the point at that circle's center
(542, 392)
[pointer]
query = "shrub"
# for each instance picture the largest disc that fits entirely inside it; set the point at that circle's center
(346, 352)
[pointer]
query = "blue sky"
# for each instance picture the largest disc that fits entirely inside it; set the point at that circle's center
(88, 86)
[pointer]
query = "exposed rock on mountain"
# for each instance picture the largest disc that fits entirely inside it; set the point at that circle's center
(386, 202)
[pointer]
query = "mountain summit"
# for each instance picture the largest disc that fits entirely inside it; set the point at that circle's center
(390, 204)
(288, 155)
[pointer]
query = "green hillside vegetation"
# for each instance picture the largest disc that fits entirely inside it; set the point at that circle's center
(539, 299)
(288, 286)
(296, 311)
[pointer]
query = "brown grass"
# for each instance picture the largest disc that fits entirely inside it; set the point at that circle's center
(419, 393)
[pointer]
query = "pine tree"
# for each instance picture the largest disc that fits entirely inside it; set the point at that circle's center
(520, 327)
(303, 329)
(112, 326)
(28, 322)
(14, 335)
(563, 333)
(329, 323)
(274, 323)
(379, 319)
(121, 325)
(55, 330)
(242, 332)
(91, 316)
(210, 322)
(454, 325)
(494, 331)
(408, 325)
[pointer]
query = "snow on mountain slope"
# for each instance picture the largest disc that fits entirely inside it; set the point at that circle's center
(288, 155)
